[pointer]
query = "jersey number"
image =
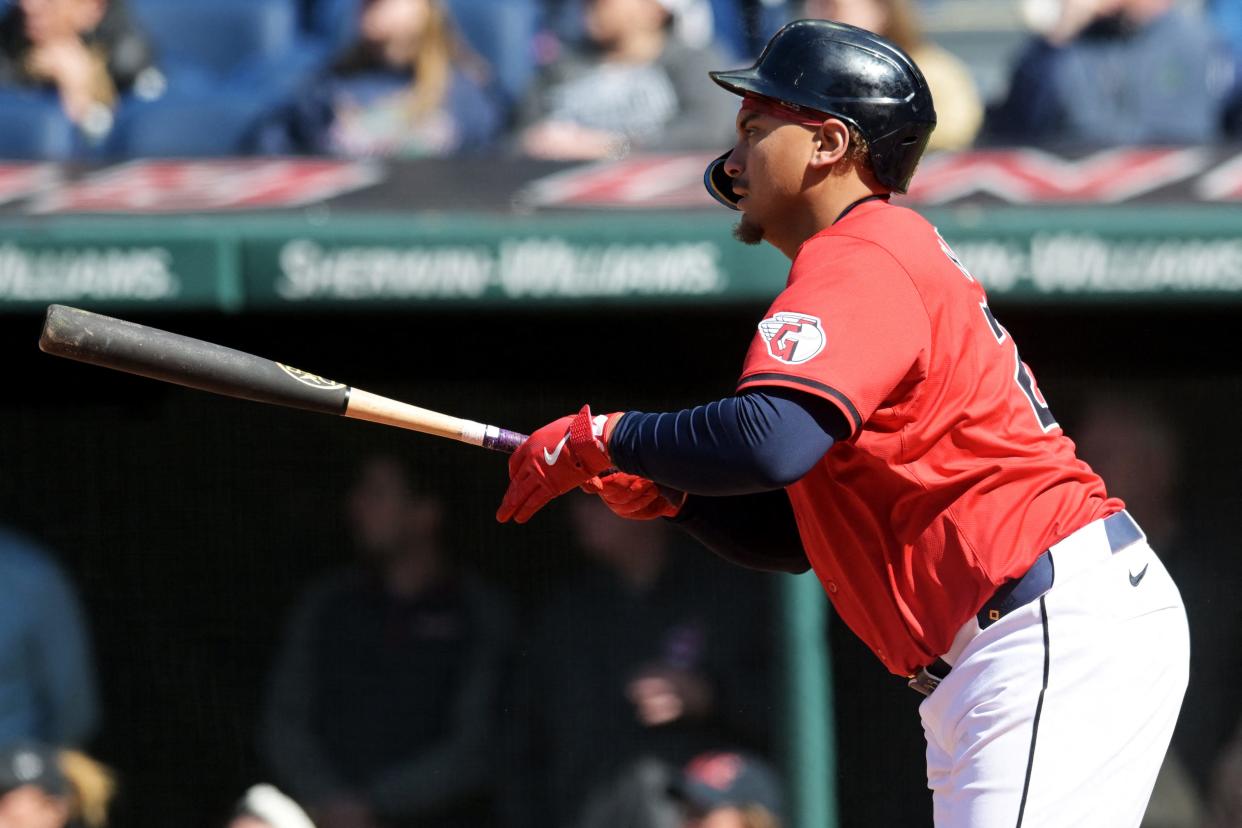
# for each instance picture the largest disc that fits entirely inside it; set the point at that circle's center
(1022, 375)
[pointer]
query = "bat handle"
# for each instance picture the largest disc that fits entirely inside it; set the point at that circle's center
(363, 405)
(502, 439)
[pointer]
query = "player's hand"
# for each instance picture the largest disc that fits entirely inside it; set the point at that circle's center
(555, 459)
(633, 497)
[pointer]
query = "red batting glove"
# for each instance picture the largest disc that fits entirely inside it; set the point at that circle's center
(555, 459)
(633, 497)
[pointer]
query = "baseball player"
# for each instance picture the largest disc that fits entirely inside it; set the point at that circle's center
(886, 433)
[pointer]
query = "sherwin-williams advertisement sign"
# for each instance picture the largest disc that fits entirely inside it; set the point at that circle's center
(236, 263)
(1072, 264)
(513, 269)
(111, 271)
(35, 274)
(497, 261)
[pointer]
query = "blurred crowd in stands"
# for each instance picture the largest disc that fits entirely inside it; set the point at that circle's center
(575, 79)
(405, 690)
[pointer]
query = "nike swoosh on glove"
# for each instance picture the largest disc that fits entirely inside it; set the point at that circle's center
(555, 459)
(633, 497)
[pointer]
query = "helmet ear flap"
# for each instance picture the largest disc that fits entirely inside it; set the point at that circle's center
(719, 183)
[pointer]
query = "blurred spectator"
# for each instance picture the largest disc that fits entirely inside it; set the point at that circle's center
(636, 84)
(264, 806)
(959, 110)
(649, 656)
(1175, 801)
(89, 51)
(729, 790)
(739, 28)
(1130, 441)
(1133, 445)
(760, 19)
(694, 22)
(1114, 72)
(638, 796)
(1226, 17)
(47, 685)
(385, 696)
(408, 87)
(1226, 802)
(43, 787)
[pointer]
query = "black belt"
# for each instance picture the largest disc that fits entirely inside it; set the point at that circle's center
(1121, 531)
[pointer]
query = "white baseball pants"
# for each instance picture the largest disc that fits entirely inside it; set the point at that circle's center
(1059, 714)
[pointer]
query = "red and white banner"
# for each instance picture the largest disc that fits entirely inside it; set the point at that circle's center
(18, 181)
(1018, 176)
(668, 181)
(1028, 176)
(208, 186)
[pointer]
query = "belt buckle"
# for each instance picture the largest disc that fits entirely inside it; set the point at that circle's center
(923, 682)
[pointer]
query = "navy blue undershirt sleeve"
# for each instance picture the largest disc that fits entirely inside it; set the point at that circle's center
(759, 440)
(756, 531)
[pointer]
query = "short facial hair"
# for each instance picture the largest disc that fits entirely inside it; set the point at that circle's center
(748, 231)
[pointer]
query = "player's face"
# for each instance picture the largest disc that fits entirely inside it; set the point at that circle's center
(768, 165)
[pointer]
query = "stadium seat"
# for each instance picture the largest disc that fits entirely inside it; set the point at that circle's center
(737, 34)
(730, 24)
(201, 124)
(255, 46)
(500, 31)
(35, 128)
(333, 23)
(233, 66)
(222, 36)
(503, 34)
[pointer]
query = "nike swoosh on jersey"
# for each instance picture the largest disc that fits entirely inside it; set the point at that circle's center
(1134, 579)
(551, 457)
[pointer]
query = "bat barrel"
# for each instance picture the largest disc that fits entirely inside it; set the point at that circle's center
(137, 349)
(193, 363)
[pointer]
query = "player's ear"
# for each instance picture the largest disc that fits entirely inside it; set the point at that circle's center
(832, 141)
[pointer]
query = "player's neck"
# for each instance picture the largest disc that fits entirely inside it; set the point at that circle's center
(821, 210)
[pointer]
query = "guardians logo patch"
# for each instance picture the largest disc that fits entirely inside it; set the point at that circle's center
(793, 337)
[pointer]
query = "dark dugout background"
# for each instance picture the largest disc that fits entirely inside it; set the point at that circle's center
(190, 523)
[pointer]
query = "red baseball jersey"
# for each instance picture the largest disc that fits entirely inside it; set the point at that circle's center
(955, 476)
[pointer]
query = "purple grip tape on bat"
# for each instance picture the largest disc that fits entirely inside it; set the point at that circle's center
(503, 440)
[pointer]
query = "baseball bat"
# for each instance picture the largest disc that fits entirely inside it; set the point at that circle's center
(149, 352)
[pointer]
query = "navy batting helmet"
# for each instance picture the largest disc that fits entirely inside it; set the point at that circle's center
(847, 73)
